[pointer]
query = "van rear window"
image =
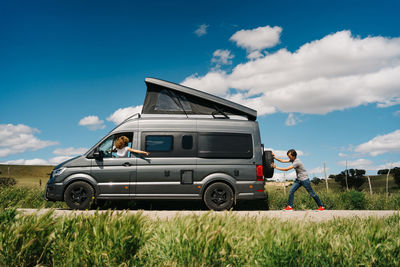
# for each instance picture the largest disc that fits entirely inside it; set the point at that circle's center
(159, 143)
(225, 145)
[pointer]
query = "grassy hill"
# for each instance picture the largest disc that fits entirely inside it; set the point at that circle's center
(27, 175)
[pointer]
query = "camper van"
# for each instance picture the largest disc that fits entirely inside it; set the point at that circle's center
(201, 147)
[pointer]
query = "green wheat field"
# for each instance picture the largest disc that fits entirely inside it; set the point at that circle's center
(111, 239)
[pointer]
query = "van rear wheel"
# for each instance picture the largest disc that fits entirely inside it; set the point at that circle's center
(79, 195)
(218, 196)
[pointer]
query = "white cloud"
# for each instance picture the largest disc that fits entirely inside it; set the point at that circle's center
(342, 155)
(51, 162)
(255, 55)
(202, 30)
(358, 164)
(16, 139)
(213, 82)
(292, 120)
(222, 57)
(388, 165)
(381, 144)
(282, 154)
(123, 113)
(318, 170)
(337, 72)
(368, 165)
(27, 162)
(281, 176)
(92, 122)
(257, 39)
(70, 151)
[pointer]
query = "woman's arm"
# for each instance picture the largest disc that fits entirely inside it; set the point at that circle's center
(139, 151)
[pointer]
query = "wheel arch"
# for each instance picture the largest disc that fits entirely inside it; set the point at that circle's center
(219, 178)
(80, 177)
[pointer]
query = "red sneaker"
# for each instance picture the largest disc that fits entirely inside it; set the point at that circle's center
(320, 208)
(288, 208)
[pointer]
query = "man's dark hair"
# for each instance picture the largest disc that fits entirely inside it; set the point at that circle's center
(292, 152)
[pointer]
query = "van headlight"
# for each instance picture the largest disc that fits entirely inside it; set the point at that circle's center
(58, 171)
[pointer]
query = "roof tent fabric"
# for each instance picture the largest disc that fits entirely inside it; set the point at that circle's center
(164, 97)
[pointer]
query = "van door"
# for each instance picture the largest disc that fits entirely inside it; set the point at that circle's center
(170, 168)
(114, 175)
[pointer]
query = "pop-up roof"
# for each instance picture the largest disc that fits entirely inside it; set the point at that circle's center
(164, 97)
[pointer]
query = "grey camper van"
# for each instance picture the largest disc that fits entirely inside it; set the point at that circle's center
(201, 147)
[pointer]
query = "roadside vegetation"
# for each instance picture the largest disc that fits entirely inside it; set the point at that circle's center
(22, 197)
(27, 193)
(110, 239)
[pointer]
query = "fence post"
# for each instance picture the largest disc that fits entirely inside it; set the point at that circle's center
(387, 181)
(369, 182)
(326, 178)
(347, 185)
(284, 180)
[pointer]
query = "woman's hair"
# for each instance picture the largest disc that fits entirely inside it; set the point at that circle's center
(121, 142)
(292, 152)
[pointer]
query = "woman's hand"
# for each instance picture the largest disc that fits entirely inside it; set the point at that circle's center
(273, 165)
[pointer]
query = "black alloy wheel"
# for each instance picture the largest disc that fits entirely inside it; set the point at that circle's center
(218, 196)
(79, 195)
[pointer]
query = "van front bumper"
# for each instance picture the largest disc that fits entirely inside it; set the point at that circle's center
(54, 192)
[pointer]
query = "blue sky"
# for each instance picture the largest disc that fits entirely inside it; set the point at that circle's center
(323, 75)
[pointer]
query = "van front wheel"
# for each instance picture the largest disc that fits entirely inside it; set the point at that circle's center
(79, 195)
(218, 196)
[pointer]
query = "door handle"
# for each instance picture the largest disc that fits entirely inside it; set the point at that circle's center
(126, 164)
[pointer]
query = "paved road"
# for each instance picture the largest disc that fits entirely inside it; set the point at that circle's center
(284, 215)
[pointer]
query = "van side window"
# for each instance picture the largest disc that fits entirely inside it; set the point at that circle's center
(159, 143)
(225, 145)
(187, 142)
(169, 144)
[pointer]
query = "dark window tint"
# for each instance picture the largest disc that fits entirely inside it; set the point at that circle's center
(225, 145)
(187, 142)
(158, 143)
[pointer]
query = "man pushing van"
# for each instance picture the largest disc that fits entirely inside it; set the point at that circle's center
(301, 179)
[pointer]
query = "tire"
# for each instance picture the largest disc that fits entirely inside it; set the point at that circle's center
(79, 195)
(267, 161)
(218, 196)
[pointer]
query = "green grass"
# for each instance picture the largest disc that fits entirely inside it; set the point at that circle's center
(24, 197)
(351, 200)
(207, 240)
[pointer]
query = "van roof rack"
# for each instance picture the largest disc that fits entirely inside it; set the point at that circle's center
(163, 97)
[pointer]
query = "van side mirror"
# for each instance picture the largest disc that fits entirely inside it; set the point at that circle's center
(99, 155)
